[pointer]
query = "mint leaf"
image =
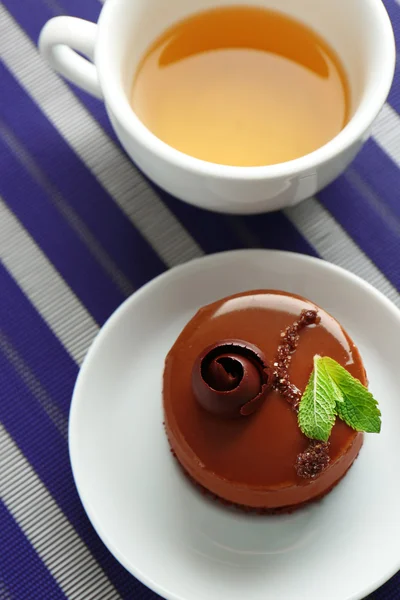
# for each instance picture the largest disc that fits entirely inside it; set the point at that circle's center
(358, 407)
(317, 409)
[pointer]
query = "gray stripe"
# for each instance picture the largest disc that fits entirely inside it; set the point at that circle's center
(44, 287)
(46, 527)
(34, 385)
(332, 243)
(69, 214)
(100, 154)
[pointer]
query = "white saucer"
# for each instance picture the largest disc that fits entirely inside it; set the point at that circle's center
(158, 525)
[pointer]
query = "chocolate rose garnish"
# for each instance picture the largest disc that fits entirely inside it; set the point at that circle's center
(231, 378)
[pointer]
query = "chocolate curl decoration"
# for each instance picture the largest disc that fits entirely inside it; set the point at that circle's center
(231, 378)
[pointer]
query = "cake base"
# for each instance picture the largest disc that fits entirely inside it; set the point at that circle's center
(282, 510)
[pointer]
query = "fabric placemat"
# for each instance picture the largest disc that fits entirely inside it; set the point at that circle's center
(80, 230)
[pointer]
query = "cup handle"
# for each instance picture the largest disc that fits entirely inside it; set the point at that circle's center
(59, 39)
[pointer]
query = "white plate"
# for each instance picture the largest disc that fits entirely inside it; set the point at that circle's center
(158, 525)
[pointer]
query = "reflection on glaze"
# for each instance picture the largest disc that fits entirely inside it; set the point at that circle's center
(288, 304)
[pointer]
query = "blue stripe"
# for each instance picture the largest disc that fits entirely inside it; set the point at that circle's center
(89, 9)
(381, 174)
(36, 343)
(210, 230)
(62, 246)
(364, 222)
(394, 14)
(275, 231)
(215, 232)
(390, 591)
(124, 244)
(394, 95)
(21, 570)
(47, 452)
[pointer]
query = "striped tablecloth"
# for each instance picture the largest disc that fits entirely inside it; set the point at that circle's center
(80, 230)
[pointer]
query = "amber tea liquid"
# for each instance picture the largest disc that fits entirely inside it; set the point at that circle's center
(241, 86)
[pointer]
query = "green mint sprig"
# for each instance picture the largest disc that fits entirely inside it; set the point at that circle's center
(331, 391)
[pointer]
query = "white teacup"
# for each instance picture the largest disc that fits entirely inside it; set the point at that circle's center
(359, 30)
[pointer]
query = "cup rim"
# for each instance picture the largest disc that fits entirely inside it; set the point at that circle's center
(355, 129)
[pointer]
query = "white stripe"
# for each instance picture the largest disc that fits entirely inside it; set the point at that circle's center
(45, 525)
(332, 243)
(105, 160)
(45, 288)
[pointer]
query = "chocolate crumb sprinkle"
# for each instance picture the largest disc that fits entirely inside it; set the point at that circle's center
(314, 460)
(290, 340)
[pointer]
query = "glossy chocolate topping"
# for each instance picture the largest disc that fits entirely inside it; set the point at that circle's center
(252, 461)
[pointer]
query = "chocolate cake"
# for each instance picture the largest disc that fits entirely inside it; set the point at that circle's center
(233, 381)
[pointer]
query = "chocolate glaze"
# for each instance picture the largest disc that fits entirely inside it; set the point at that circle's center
(252, 461)
(231, 378)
